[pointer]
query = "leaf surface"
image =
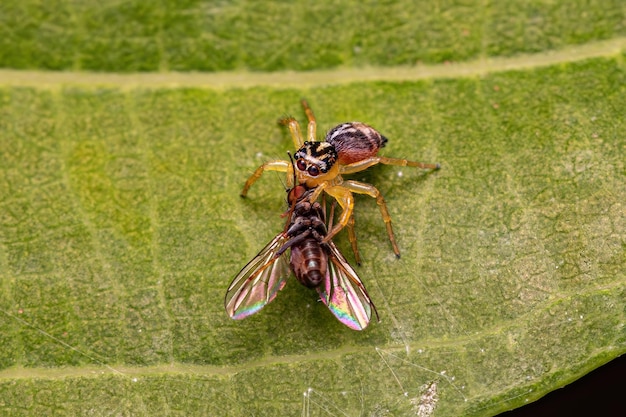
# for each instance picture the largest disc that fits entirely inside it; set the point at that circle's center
(121, 224)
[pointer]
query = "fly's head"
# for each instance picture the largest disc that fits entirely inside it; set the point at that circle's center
(315, 162)
(296, 194)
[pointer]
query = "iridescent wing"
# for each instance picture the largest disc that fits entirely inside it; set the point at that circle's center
(259, 281)
(344, 294)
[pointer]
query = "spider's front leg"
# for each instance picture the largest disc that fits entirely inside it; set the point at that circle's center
(294, 127)
(312, 126)
(346, 201)
(343, 194)
(351, 232)
(278, 165)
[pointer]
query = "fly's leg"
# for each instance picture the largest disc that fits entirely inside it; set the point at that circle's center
(374, 160)
(312, 126)
(278, 165)
(368, 189)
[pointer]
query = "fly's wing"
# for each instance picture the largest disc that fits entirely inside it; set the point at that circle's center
(258, 282)
(344, 294)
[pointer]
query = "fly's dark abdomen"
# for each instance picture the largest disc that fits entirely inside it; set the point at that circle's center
(309, 262)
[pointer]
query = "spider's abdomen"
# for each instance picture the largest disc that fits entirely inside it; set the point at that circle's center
(355, 141)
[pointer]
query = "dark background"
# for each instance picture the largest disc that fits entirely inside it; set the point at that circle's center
(600, 393)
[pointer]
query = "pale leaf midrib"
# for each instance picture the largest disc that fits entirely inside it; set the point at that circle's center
(240, 79)
(174, 368)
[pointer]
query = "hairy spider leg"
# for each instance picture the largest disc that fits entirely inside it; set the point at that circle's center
(294, 129)
(369, 189)
(298, 140)
(352, 239)
(277, 165)
(349, 226)
(312, 126)
(343, 194)
(374, 160)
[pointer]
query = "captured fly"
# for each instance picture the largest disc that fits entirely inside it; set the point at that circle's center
(316, 263)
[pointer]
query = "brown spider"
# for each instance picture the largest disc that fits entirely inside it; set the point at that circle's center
(348, 148)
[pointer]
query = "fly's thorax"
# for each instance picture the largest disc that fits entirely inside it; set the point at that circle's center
(315, 162)
(355, 141)
(301, 225)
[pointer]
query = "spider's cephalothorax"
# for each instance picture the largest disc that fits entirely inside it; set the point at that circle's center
(348, 148)
(315, 158)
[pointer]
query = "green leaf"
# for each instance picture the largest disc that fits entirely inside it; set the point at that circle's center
(194, 35)
(121, 224)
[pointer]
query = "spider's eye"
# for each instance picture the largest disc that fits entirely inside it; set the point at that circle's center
(301, 165)
(313, 171)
